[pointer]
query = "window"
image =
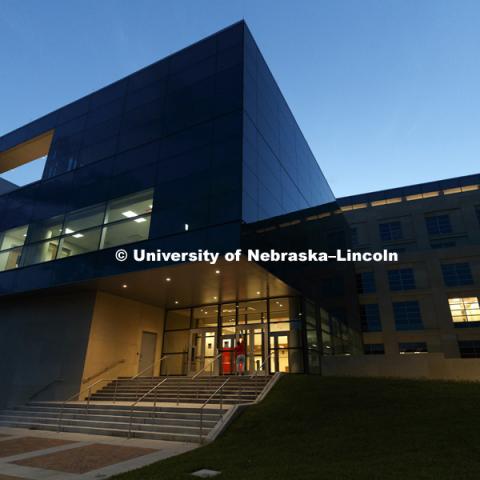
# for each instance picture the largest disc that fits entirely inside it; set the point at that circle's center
(374, 349)
(11, 242)
(456, 274)
(365, 282)
(469, 348)
(401, 279)
(464, 311)
(119, 222)
(438, 225)
(413, 347)
(390, 231)
(370, 318)
(407, 315)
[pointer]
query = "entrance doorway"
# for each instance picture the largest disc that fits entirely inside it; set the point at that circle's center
(147, 354)
(202, 351)
(254, 337)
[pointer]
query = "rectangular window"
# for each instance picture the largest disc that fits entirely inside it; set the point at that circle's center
(407, 315)
(456, 274)
(130, 207)
(13, 238)
(401, 279)
(438, 225)
(365, 282)
(465, 311)
(127, 220)
(469, 348)
(390, 231)
(374, 349)
(370, 318)
(413, 347)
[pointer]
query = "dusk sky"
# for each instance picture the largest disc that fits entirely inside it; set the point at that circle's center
(386, 92)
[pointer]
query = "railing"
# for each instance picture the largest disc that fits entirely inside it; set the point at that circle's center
(254, 374)
(206, 365)
(78, 395)
(219, 389)
(45, 387)
(105, 370)
(152, 366)
(132, 406)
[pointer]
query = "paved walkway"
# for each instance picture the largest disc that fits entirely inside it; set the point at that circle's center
(42, 455)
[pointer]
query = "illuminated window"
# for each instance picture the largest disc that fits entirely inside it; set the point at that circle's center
(419, 196)
(412, 347)
(11, 242)
(386, 201)
(464, 310)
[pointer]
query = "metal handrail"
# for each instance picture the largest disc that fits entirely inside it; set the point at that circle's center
(105, 370)
(45, 387)
(220, 388)
(150, 366)
(132, 406)
(207, 365)
(254, 374)
(77, 395)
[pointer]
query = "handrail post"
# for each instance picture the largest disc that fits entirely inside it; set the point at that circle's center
(115, 392)
(88, 398)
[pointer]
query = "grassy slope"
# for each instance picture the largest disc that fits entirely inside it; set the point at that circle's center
(313, 427)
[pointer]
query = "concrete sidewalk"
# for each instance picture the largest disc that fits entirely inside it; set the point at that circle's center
(43, 455)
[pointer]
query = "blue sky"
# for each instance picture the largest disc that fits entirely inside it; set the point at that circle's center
(386, 92)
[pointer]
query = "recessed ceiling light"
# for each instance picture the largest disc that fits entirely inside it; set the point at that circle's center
(258, 293)
(140, 220)
(124, 285)
(176, 302)
(69, 230)
(168, 279)
(186, 227)
(150, 206)
(129, 214)
(214, 298)
(217, 272)
(78, 235)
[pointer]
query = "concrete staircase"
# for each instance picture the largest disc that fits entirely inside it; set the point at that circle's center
(166, 420)
(239, 389)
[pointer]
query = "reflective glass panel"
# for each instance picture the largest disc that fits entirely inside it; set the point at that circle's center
(130, 231)
(49, 228)
(40, 252)
(10, 259)
(84, 218)
(131, 206)
(13, 238)
(80, 242)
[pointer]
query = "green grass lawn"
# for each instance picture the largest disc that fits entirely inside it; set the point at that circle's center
(312, 427)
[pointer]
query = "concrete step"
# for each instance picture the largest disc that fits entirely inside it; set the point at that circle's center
(122, 408)
(115, 425)
(173, 437)
(209, 421)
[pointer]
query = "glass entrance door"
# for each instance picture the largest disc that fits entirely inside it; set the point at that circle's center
(254, 337)
(202, 351)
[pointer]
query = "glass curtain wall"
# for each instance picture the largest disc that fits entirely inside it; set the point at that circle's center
(117, 222)
(272, 331)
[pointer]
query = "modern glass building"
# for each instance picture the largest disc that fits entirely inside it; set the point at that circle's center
(200, 151)
(193, 152)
